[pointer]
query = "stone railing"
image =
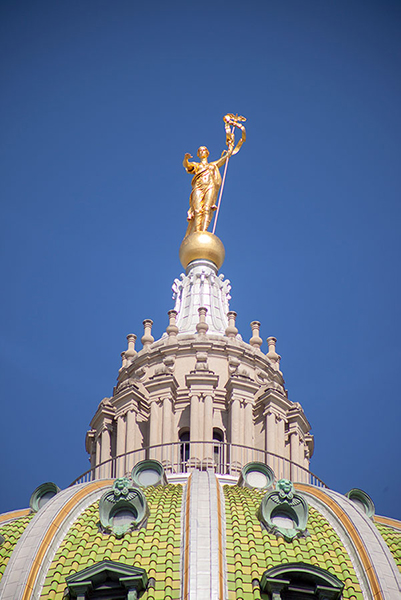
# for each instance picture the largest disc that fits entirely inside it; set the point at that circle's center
(183, 457)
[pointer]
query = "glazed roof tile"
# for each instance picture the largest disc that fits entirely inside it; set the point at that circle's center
(252, 550)
(11, 532)
(392, 537)
(156, 548)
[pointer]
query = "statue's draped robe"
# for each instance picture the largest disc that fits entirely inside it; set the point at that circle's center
(205, 187)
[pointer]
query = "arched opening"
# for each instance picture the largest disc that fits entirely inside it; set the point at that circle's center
(218, 450)
(300, 581)
(184, 438)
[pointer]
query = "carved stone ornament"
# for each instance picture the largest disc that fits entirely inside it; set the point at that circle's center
(284, 512)
(123, 508)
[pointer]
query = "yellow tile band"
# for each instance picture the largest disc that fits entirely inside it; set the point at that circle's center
(388, 521)
(14, 514)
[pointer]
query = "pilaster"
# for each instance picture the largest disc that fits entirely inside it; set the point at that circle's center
(241, 392)
(298, 429)
(201, 385)
(162, 390)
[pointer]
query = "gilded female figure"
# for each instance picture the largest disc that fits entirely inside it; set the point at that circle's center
(206, 179)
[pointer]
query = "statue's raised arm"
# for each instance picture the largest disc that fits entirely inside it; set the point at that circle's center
(206, 179)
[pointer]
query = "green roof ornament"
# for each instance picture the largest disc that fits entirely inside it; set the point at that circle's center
(363, 501)
(121, 489)
(256, 475)
(43, 493)
(284, 512)
(148, 472)
(123, 508)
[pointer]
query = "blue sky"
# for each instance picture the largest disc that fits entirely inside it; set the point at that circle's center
(100, 102)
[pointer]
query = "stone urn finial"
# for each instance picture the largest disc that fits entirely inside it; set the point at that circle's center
(124, 361)
(256, 340)
(172, 328)
(202, 326)
(231, 331)
(272, 354)
(147, 339)
(130, 353)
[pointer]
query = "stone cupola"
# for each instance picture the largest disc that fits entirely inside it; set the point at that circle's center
(200, 397)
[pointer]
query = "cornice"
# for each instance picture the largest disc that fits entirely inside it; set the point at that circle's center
(296, 416)
(273, 398)
(162, 383)
(105, 411)
(241, 384)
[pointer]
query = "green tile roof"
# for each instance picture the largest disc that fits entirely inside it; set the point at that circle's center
(11, 532)
(251, 550)
(392, 537)
(156, 548)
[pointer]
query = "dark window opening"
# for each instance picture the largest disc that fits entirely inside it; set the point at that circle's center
(184, 447)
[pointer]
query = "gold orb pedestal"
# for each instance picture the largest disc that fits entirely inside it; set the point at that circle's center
(202, 245)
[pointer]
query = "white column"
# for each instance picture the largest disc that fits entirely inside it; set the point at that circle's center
(207, 453)
(208, 421)
(248, 430)
(98, 453)
(304, 451)
(270, 430)
(235, 434)
(166, 423)
(194, 429)
(120, 446)
(280, 449)
(294, 454)
(166, 455)
(105, 453)
(131, 442)
(154, 428)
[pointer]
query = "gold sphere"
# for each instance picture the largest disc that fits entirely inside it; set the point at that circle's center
(202, 244)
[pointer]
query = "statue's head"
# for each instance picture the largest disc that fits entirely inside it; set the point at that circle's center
(203, 152)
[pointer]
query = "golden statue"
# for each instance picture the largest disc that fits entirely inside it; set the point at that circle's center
(206, 179)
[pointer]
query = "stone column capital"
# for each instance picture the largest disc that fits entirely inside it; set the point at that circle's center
(243, 388)
(201, 382)
(297, 420)
(162, 385)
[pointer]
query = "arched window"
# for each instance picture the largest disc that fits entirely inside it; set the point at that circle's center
(218, 447)
(184, 438)
(300, 581)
